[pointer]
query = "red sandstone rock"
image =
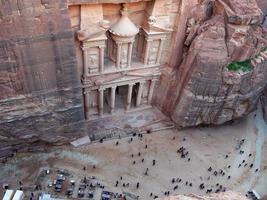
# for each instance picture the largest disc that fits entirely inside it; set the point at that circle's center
(242, 12)
(206, 92)
(40, 96)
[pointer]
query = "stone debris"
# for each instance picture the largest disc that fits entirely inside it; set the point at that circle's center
(81, 141)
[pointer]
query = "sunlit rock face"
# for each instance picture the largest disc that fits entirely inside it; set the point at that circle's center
(39, 86)
(41, 96)
(204, 90)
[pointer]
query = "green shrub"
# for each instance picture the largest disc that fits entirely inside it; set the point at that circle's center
(243, 66)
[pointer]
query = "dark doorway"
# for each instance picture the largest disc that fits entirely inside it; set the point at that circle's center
(121, 97)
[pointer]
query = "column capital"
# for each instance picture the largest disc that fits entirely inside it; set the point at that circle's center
(142, 82)
(148, 40)
(118, 43)
(84, 48)
(86, 92)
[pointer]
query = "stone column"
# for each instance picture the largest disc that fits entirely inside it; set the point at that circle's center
(129, 96)
(85, 61)
(112, 99)
(118, 60)
(130, 50)
(100, 101)
(86, 105)
(159, 51)
(151, 90)
(147, 52)
(139, 94)
(101, 59)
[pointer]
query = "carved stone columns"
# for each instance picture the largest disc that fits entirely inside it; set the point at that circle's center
(100, 101)
(151, 90)
(129, 96)
(112, 99)
(147, 52)
(101, 59)
(139, 94)
(130, 50)
(118, 60)
(159, 51)
(86, 105)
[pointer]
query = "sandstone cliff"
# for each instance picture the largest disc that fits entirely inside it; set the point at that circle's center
(39, 86)
(206, 89)
(40, 95)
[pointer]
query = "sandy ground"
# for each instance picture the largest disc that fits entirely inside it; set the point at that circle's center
(206, 146)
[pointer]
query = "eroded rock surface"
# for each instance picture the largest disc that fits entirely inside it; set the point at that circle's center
(39, 98)
(204, 90)
(40, 93)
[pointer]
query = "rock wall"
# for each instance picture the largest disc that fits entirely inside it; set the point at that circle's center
(39, 87)
(40, 94)
(203, 90)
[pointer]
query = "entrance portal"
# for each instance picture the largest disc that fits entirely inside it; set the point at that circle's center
(121, 97)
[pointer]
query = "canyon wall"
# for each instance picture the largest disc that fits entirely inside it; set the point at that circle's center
(40, 94)
(40, 66)
(203, 90)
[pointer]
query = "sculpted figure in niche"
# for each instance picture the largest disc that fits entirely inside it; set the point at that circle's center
(92, 61)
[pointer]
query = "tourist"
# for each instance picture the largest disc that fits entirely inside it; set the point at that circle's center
(154, 162)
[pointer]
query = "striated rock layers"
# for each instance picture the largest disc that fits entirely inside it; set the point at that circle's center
(220, 196)
(40, 94)
(203, 90)
(39, 86)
